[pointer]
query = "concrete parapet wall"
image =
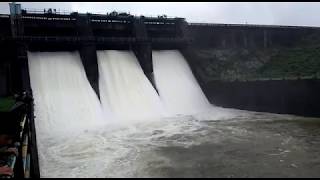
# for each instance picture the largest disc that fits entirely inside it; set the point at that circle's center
(246, 36)
(300, 97)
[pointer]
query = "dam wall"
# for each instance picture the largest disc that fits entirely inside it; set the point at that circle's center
(247, 35)
(257, 67)
(215, 52)
(300, 97)
(25, 30)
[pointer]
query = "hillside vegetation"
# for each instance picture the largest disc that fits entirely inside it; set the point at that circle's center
(301, 60)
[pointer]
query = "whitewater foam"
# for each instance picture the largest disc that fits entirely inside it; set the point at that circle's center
(178, 88)
(65, 103)
(66, 107)
(125, 89)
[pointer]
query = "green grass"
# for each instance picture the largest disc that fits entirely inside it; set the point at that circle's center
(6, 103)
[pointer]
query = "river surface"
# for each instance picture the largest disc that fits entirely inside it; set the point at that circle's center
(246, 144)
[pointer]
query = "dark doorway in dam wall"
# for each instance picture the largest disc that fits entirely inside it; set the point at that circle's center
(299, 97)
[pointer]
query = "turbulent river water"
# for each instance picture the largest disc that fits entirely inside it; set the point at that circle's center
(246, 145)
(133, 132)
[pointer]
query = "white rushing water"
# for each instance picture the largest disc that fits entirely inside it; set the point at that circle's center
(125, 88)
(178, 88)
(72, 135)
(65, 103)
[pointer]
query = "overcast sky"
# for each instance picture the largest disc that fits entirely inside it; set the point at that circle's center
(275, 13)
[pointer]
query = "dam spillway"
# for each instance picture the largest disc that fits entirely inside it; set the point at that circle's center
(27, 30)
(67, 107)
(64, 100)
(105, 150)
(180, 93)
(65, 103)
(125, 89)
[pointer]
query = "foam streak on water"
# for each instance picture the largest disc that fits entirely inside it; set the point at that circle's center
(178, 88)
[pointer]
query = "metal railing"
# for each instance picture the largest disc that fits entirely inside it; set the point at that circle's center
(46, 11)
(29, 12)
(49, 18)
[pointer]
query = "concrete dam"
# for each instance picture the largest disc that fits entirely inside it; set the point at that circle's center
(89, 74)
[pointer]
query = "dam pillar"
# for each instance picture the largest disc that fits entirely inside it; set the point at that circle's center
(143, 49)
(187, 50)
(20, 70)
(181, 27)
(88, 54)
(143, 52)
(88, 51)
